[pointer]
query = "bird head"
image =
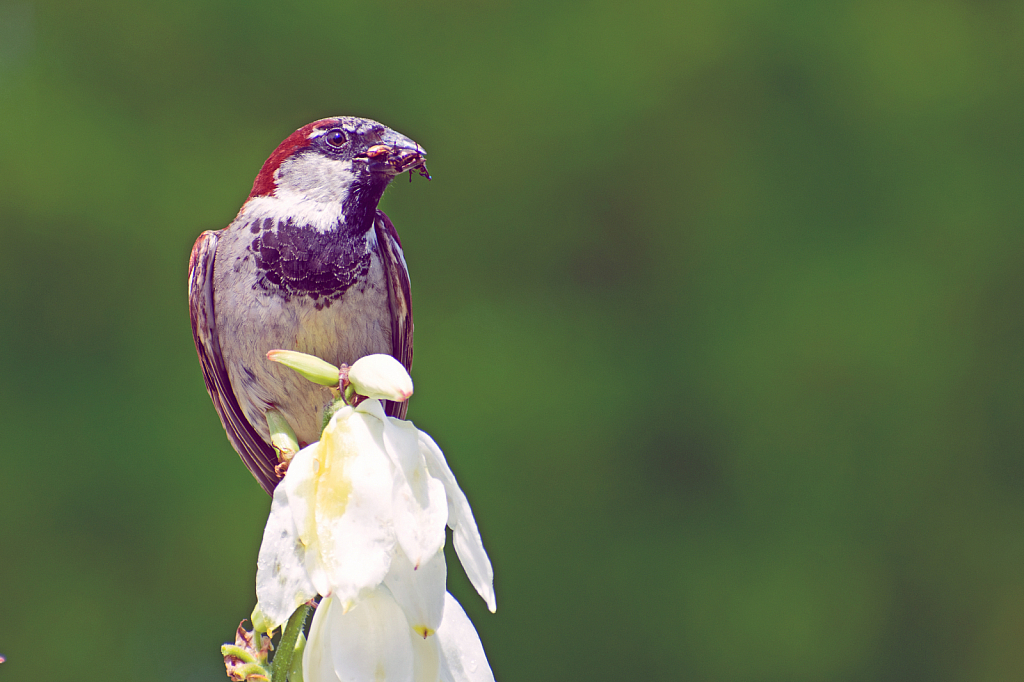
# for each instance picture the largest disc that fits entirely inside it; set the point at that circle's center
(336, 165)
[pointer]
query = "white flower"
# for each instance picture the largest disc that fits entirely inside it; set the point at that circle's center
(373, 641)
(380, 376)
(359, 518)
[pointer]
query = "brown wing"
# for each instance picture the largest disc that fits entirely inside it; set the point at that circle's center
(400, 300)
(256, 453)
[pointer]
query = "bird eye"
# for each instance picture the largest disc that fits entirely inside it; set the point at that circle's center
(335, 138)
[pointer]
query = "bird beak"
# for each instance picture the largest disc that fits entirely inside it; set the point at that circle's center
(396, 154)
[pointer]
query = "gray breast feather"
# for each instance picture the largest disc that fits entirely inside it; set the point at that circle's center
(254, 320)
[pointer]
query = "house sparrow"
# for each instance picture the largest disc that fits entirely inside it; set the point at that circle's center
(308, 264)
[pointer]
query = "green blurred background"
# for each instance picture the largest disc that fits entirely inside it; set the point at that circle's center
(718, 320)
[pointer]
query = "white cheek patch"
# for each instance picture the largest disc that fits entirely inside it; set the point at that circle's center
(310, 190)
(315, 177)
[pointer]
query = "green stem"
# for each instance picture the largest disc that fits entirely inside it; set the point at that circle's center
(286, 647)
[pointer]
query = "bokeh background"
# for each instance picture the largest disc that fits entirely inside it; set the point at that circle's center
(718, 320)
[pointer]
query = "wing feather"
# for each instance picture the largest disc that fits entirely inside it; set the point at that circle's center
(256, 453)
(399, 299)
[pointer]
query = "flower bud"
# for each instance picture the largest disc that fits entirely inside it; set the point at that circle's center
(313, 368)
(380, 376)
(282, 437)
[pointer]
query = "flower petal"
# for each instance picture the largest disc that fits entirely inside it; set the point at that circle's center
(300, 486)
(317, 662)
(420, 502)
(370, 642)
(466, 537)
(353, 505)
(463, 654)
(282, 583)
(426, 659)
(419, 591)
